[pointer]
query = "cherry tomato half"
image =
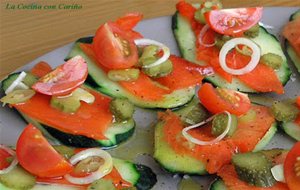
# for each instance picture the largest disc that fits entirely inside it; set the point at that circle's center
(233, 21)
(64, 79)
(37, 156)
(5, 158)
(292, 161)
(217, 100)
(114, 49)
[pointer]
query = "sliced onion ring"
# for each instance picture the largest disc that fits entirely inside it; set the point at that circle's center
(230, 44)
(13, 163)
(200, 142)
(278, 173)
(166, 50)
(201, 35)
(101, 172)
(17, 82)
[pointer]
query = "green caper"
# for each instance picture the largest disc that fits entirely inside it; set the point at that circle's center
(272, 60)
(252, 32)
(122, 109)
(160, 70)
(123, 74)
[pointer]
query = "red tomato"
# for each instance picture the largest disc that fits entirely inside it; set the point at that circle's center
(114, 49)
(41, 69)
(233, 21)
(291, 164)
(220, 99)
(298, 101)
(129, 21)
(4, 158)
(38, 157)
(64, 79)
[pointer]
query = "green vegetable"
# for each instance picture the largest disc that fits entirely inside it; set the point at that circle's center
(122, 109)
(71, 103)
(66, 151)
(148, 57)
(124, 74)
(295, 58)
(252, 32)
(272, 60)
(285, 110)
(102, 184)
(254, 168)
(148, 52)
(159, 70)
(206, 6)
(18, 96)
(221, 40)
(192, 113)
(219, 124)
(67, 104)
(186, 40)
(29, 80)
(18, 179)
(99, 81)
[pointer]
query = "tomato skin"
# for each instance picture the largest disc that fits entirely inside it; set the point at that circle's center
(41, 69)
(292, 180)
(64, 79)
(233, 21)
(298, 101)
(129, 21)
(232, 101)
(37, 156)
(4, 155)
(114, 49)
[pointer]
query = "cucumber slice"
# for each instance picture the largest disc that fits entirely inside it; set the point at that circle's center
(170, 160)
(254, 168)
(290, 50)
(292, 129)
(186, 42)
(139, 176)
(176, 163)
(267, 138)
(272, 154)
(142, 177)
(29, 80)
(102, 184)
(218, 185)
(18, 179)
(116, 134)
(99, 81)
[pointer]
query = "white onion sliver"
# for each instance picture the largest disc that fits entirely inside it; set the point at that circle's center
(255, 57)
(101, 172)
(13, 163)
(266, 26)
(278, 173)
(166, 50)
(200, 142)
(82, 95)
(201, 34)
(16, 82)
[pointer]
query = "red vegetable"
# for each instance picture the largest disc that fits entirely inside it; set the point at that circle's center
(113, 48)
(233, 21)
(37, 156)
(292, 167)
(64, 79)
(219, 100)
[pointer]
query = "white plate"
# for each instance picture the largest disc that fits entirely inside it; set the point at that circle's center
(158, 29)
